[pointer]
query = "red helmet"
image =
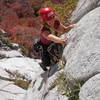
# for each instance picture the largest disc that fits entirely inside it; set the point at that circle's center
(46, 13)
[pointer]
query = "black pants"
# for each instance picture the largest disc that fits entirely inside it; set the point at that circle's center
(51, 53)
(45, 56)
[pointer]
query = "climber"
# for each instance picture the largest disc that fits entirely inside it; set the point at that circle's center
(50, 32)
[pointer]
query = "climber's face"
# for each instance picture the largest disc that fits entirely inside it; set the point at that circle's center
(51, 21)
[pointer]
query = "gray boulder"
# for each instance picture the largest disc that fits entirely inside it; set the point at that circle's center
(42, 88)
(91, 89)
(83, 7)
(10, 53)
(55, 95)
(15, 76)
(82, 54)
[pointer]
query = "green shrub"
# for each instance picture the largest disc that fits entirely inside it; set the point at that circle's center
(6, 41)
(67, 86)
(2, 56)
(24, 51)
(1, 33)
(0, 18)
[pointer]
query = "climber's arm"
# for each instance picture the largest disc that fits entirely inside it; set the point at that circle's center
(54, 38)
(64, 29)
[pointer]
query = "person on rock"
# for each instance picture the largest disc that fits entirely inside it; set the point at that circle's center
(50, 33)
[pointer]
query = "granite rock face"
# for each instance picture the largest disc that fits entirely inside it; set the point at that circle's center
(82, 54)
(83, 7)
(91, 89)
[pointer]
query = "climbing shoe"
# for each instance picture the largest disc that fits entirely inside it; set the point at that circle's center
(43, 67)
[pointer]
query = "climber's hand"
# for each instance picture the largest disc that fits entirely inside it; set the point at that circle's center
(64, 41)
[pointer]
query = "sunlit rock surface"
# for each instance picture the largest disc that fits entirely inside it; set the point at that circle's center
(82, 54)
(83, 7)
(91, 89)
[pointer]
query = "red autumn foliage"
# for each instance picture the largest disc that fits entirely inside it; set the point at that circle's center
(36, 1)
(17, 19)
(10, 19)
(23, 35)
(23, 9)
(57, 1)
(27, 21)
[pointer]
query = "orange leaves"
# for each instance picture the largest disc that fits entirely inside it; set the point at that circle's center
(58, 1)
(22, 8)
(18, 20)
(23, 35)
(27, 21)
(10, 19)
